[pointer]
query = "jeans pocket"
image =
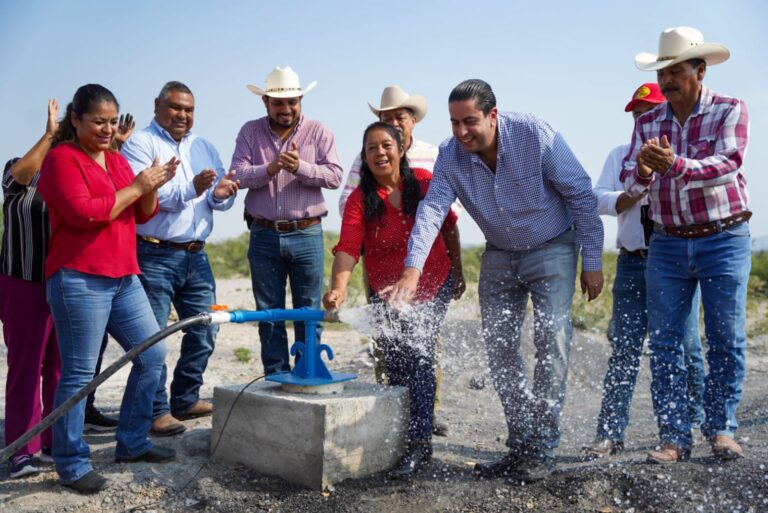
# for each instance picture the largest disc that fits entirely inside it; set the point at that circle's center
(739, 230)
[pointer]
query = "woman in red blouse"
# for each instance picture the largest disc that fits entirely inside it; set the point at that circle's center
(379, 217)
(95, 201)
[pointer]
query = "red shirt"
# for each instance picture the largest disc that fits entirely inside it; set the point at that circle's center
(386, 242)
(80, 195)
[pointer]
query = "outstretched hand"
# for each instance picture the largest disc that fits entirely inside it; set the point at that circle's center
(333, 299)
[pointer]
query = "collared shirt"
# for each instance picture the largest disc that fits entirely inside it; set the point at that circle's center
(538, 191)
(608, 189)
(80, 195)
(286, 196)
(183, 215)
(26, 228)
(420, 155)
(706, 180)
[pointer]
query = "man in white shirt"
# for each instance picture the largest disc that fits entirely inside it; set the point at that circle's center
(628, 326)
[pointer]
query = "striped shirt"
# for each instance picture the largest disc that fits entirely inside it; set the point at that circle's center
(538, 191)
(420, 155)
(26, 229)
(706, 180)
(286, 196)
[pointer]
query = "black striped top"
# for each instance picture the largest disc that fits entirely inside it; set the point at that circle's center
(26, 229)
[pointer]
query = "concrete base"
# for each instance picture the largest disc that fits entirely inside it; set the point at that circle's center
(314, 440)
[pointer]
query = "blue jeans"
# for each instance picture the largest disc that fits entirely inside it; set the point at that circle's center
(84, 306)
(409, 354)
(720, 265)
(546, 273)
(275, 257)
(185, 279)
(626, 332)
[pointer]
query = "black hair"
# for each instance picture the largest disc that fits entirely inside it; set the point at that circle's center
(695, 63)
(173, 85)
(372, 203)
(86, 99)
(474, 89)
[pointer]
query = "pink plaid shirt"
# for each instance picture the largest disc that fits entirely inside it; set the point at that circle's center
(286, 196)
(706, 180)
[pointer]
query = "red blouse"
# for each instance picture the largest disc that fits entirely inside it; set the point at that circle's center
(386, 242)
(80, 195)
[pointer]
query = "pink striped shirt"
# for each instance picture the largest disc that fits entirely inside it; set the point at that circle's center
(286, 196)
(706, 180)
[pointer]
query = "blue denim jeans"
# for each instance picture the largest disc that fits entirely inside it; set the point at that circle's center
(275, 257)
(84, 306)
(546, 274)
(626, 332)
(720, 265)
(185, 279)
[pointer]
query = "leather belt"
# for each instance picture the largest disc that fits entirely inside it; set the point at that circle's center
(192, 246)
(287, 226)
(642, 253)
(702, 230)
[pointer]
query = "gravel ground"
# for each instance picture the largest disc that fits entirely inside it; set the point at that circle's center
(619, 484)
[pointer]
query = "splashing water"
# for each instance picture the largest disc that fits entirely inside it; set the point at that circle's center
(360, 319)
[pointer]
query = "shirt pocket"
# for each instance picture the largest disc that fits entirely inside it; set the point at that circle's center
(526, 194)
(702, 148)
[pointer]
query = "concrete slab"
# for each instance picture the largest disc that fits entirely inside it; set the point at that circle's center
(314, 440)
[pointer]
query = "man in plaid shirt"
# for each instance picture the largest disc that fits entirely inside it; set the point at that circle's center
(688, 154)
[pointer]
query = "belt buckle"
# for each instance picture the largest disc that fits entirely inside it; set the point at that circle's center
(293, 225)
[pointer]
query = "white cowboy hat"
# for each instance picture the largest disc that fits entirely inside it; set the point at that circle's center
(679, 44)
(282, 83)
(393, 97)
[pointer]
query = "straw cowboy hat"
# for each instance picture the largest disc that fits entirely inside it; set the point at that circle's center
(679, 44)
(282, 83)
(393, 97)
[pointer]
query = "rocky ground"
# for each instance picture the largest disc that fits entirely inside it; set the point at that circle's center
(618, 484)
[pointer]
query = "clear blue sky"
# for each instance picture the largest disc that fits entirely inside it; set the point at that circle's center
(570, 63)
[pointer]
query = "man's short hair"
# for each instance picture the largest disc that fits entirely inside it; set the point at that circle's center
(474, 89)
(696, 62)
(173, 85)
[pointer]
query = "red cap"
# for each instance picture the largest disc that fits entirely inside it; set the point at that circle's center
(649, 93)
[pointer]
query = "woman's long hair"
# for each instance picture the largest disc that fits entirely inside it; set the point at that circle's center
(372, 203)
(86, 99)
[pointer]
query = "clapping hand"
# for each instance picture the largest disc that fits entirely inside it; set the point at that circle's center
(203, 180)
(156, 176)
(656, 155)
(289, 160)
(227, 186)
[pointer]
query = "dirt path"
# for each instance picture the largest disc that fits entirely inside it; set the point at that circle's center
(620, 484)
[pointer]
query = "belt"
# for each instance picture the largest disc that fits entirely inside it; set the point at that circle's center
(192, 246)
(702, 230)
(642, 253)
(287, 226)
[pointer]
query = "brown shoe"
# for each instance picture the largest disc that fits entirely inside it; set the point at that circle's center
(601, 448)
(725, 448)
(199, 409)
(167, 425)
(668, 453)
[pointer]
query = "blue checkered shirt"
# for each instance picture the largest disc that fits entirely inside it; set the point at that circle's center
(539, 190)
